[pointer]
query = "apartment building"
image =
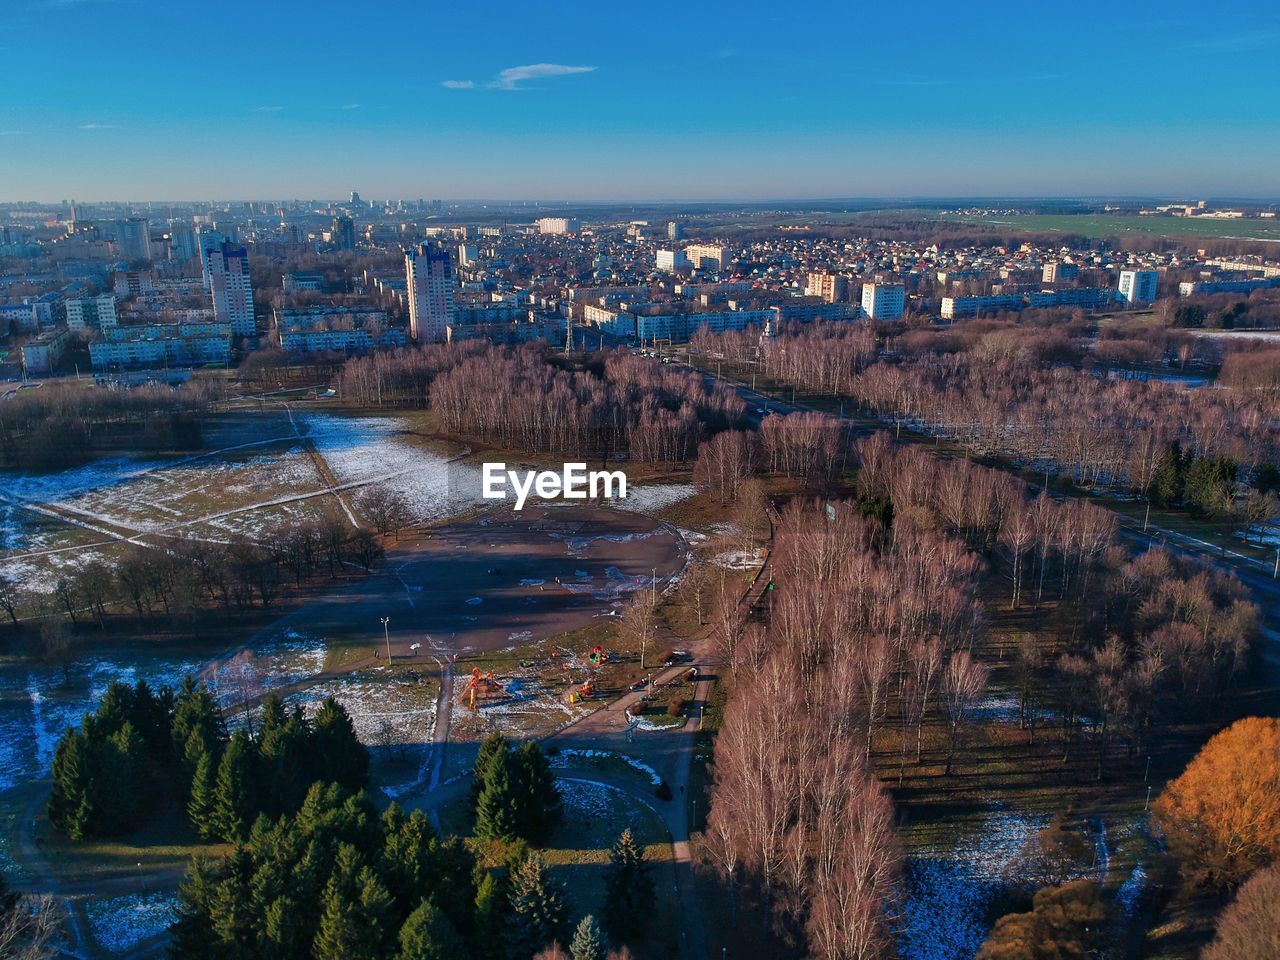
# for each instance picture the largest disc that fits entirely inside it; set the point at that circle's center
(231, 288)
(1138, 286)
(884, 301)
(91, 313)
(705, 256)
(432, 292)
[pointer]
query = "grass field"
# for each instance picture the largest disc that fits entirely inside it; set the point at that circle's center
(1102, 226)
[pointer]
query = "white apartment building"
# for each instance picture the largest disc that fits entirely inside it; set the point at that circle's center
(42, 354)
(559, 225)
(1138, 286)
(432, 292)
(228, 270)
(671, 260)
(91, 313)
(883, 301)
(162, 344)
(206, 240)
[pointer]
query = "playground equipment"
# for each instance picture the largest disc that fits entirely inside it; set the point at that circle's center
(483, 685)
(598, 656)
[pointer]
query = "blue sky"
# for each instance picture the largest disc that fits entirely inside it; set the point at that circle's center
(560, 99)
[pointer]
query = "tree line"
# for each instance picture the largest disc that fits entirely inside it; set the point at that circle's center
(177, 580)
(61, 424)
(330, 880)
(142, 748)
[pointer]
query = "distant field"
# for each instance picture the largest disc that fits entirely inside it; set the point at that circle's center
(1096, 226)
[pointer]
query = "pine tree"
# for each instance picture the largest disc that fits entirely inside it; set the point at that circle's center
(588, 941)
(283, 931)
(428, 935)
(537, 798)
(338, 937)
(376, 911)
(342, 758)
(197, 727)
(233, 806)
(493, 746)
(200, 808)
(287, 759)
(192, 934)
(122, 781)
(496, 816)
(231, 907)
(1167, 482)
(537, 907)
(71, 777)
(629, 891)
(415, 859)
(493, 914)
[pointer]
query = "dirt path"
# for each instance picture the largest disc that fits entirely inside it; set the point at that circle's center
(31, 854)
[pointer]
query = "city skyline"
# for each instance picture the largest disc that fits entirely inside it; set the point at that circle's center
(149, 101)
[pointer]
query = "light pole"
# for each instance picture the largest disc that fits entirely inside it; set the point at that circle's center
(386, 632)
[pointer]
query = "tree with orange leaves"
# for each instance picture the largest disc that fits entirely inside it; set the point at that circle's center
(1221, 817)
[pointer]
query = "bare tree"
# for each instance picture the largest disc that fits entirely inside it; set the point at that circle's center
(9, 597)
(27, 928)
(640, 623)
(964, 681)
(56, 644)
(386, 509)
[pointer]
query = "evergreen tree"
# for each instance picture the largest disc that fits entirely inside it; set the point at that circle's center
(196, 729)
(1167, 483)
(338, 937)
(283, 930)
(287, 759)
(492, 747)
(496, 816)
(200, 808)
(150, 716)
(629, 892)
(376, 911)
(588, 941)
(429, 935)
(537, 908)
(415, 859)
(493, 914)
(231, 907)
(1210, 486)
(233, 806)
(342, 758)
(71, 778)
(537, 798)
(191, 935)
(122, 781)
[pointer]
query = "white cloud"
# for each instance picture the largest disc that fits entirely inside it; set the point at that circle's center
(267, 109)
(458, 84)
(351, 106)
(512, 77)
(99, 126)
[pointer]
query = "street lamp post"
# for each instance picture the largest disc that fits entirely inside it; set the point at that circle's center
(386, 632)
